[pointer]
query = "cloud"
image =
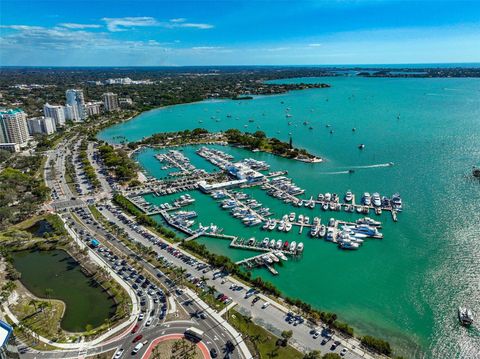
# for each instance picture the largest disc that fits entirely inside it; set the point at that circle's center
(181, 22)
(195, 25)
(21, 27)
(124, 23)
(207, 48)
(70, 25)
(314, 45)
(180, 19)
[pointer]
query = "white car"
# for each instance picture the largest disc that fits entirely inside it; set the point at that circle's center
(343, 352)
(119, 353)
(265, 305)
(149, 321)
(140, 317)
(137, 348)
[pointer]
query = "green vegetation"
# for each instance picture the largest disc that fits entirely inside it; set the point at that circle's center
(258, 140)
(196, 135)
(141, 217)
(118, 162)
(376, 344)
(87, 166)
(260, 341)
(21, 194)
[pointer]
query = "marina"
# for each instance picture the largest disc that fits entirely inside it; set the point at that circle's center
(380, 280)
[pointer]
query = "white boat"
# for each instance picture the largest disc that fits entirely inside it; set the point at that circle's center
(348, 196)
(272, 243)
(288, 227)
(266, 224)
(330, 235)
(320, 197)
(306, 219)
(291, 217)
(368, 221)
(267, 259)
(300, 218)
(251, 241)
(300, 247)
(314, 230)
(331, 222)
(265, 242)
(274, 258)
(282, 256)
(279, 244)
(316, 220)
(325, 206)
(348, 245)
(465, 316)
(328, 197)
(366, 199)
(323, 231)
(377, 202)
(281, 226)
(272, 225)
(397, 202)
(293, 245)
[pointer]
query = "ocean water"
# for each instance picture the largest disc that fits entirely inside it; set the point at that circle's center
(407, 287)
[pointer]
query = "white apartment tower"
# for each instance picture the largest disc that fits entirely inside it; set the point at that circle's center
(110, 100)
(13, 125)
(45, 125)
(56, 112)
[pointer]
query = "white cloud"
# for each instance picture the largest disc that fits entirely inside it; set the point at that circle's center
(207, 48)
(195, 25)
(21, 27)
(314, 45)
(124, 23)
(179, 19)
(70, 25)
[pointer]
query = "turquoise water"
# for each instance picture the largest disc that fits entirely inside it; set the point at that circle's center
(407, 287)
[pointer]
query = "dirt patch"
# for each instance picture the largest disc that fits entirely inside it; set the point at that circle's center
(176, 348)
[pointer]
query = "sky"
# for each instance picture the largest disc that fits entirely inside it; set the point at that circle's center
(231, 32)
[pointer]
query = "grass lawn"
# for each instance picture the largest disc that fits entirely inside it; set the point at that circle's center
(260, 340)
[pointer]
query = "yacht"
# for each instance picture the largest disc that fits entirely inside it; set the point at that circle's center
(272, 243)
(279, 244)
(361, 146)
(274, 258)
(267, 224)
(328, 197)
(300, 247)
(348, 245)
(348, 196)
(265, 242)
(325, 206)
(465, 316)
(331, 222)
(306, 219)
(293, 245)
(316, 221)
(377, 202)
(397, 202)
(330, 235)
(286, 245)
(314, 231)
(320, 197)
(281, 226)
(366, 199)
(251, 241)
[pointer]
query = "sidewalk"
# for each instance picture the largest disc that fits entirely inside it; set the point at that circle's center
(218, 318)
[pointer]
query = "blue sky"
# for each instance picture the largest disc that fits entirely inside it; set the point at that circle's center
(230, 32)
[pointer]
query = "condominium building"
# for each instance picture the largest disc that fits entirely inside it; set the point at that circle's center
(93, 108)
(13, 127)
(110, 100)
(41, 125)
(76, 100)
(56, 112)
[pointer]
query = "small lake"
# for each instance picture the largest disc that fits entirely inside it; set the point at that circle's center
(86, 301)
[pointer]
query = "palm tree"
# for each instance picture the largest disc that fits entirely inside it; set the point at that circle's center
(211, 289)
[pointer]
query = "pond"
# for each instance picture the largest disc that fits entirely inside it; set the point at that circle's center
(87, 303)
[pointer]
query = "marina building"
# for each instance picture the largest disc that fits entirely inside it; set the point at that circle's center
(56, 112)
(41, 125)
(110, 100)
(242, 171)
(75, 99)
(13, 127)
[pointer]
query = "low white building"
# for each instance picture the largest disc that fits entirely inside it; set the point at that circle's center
(41, 125)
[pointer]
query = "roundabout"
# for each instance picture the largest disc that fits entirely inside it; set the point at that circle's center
(167, 341)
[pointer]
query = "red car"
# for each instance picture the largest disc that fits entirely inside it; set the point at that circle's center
(135, 328)
(137, 338)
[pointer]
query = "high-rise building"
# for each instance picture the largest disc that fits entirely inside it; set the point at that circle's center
(13, 125)
(44, 125)
(71, 113)
(56, 112)
(93, 108)
(76, 100)
(110, 100)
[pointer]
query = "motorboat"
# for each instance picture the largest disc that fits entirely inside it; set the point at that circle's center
(314, 231)
(251, 241)
(300, 247)
(306, 219)
(348, 196)
(265, 242)
(300, 218)
(361, 146)
(267, 259)
(291, 217)
(377, 202)
(279, 244)
(282, 256)
(316, 221)
(272, 225)
(288, 227)
(320, 197)
(323, 231)
(366, 199)
(272, 243)
(286, 245)
(330, 235)
(348, 245)
(293, 246)
(331, 222)
(328, 197)
(274, 258)
(325, 206)
(281, 226)
(396, 202)
(266, 224)
(465, 316)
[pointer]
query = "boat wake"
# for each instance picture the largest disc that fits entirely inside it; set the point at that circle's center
(389, 164)
(335, 173)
